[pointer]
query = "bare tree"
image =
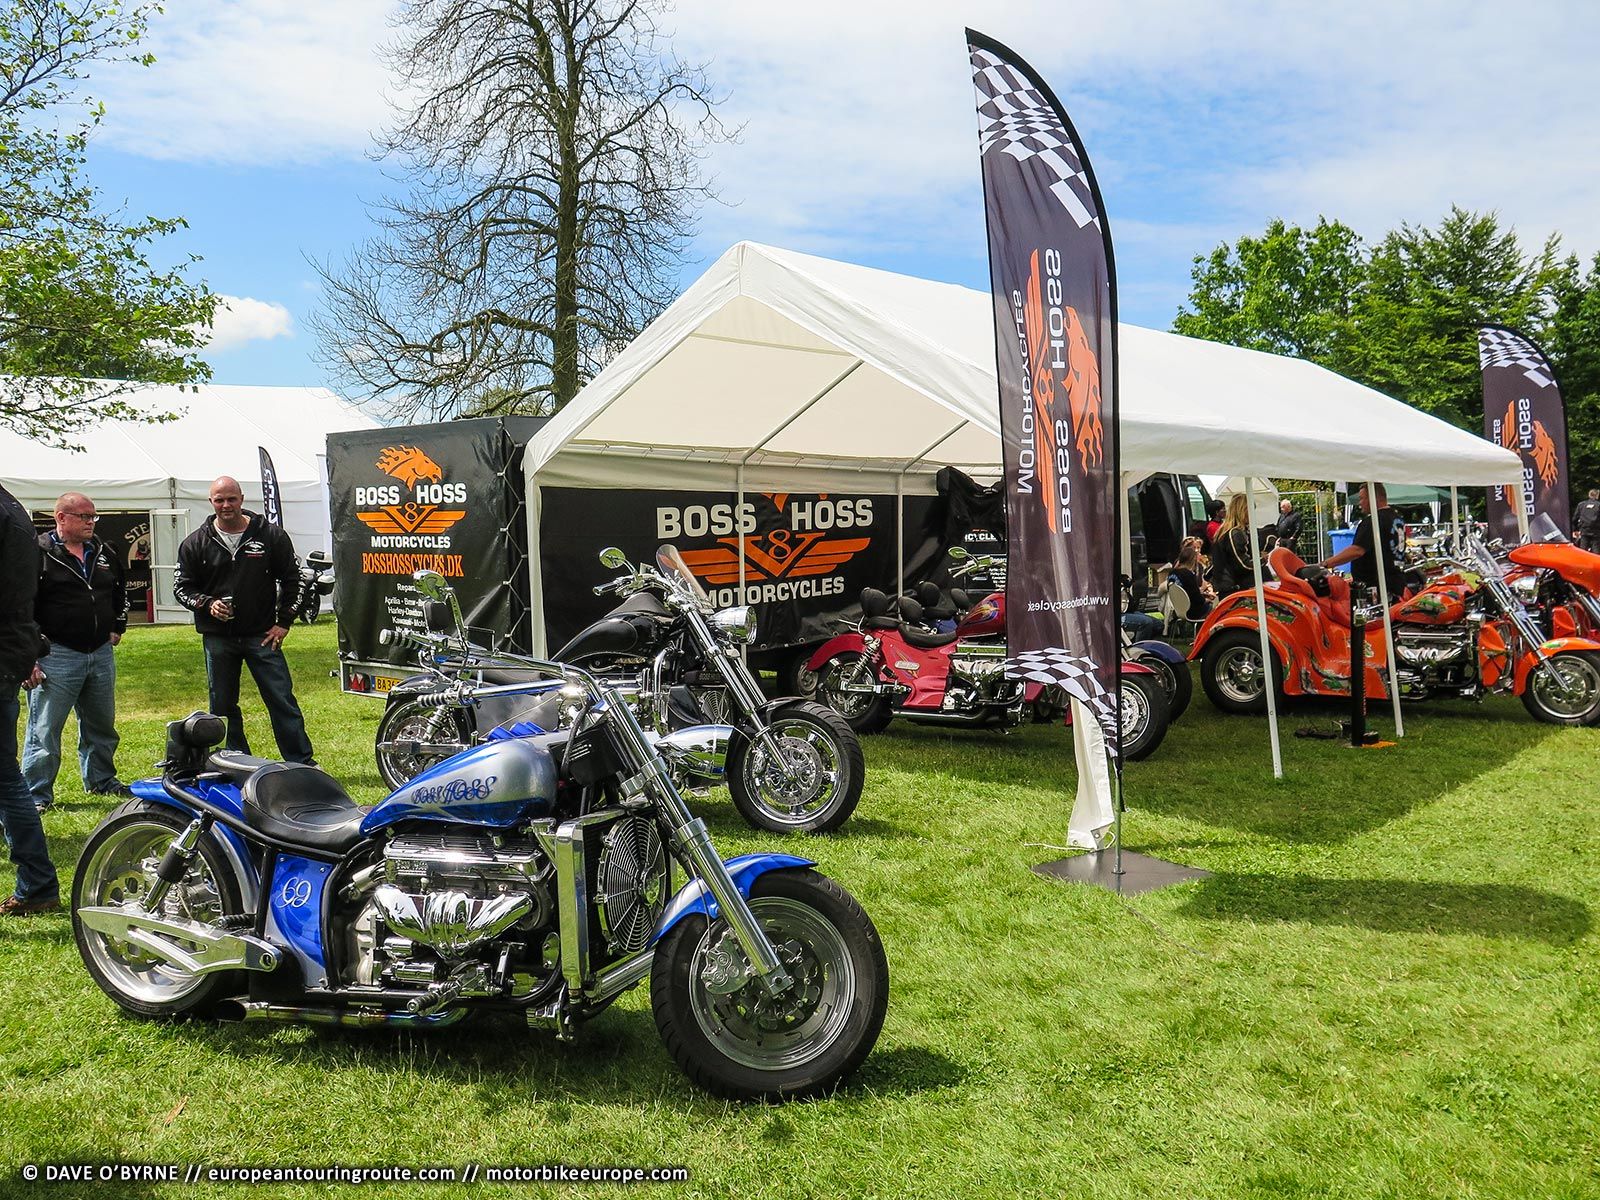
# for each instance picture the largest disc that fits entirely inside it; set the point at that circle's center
(548, 153)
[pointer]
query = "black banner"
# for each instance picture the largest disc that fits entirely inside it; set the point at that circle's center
(1053, 282)
(807, 555)
(271, 498)
(1523, 411)
(444, 497)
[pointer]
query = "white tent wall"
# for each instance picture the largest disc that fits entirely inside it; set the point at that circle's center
(140, 467)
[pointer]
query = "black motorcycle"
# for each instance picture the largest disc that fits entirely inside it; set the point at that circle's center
(316, 581)
(793, 766)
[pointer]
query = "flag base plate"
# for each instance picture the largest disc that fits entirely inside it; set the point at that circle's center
(1140, 872)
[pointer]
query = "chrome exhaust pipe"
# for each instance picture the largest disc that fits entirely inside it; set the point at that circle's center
(349, 1018)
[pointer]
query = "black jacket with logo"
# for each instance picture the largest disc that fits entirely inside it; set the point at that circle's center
(78, 612)
(262, 578)
(1586, 517)
(20, 643)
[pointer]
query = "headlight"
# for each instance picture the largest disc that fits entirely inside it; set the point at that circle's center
(737, 624)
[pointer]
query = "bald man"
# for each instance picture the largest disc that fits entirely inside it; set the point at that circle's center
(82, 609)
(237, 574)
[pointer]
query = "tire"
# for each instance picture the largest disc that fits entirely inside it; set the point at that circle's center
(827, 757)
(1144, 715)
(118, 863)
(1230, 672)
(734, 1045)
(795, 676)
(1582, 707)
(865, 714)
(409, 721)
(1176, 680)
(310, 609)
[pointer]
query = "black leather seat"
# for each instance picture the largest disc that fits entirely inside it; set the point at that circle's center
(302, 805)
(926, 639)
(237, 766)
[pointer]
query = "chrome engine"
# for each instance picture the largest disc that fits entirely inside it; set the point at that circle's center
(448, 894)
(1429, 660)
(978, 678)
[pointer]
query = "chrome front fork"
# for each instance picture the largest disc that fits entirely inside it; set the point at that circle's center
(746, 692)
(691, 837)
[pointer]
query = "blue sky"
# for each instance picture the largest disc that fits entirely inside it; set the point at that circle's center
(1204, 120)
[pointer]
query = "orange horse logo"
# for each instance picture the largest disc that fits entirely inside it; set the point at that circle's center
(408, 464)
(1544, 454)
(1081, 383)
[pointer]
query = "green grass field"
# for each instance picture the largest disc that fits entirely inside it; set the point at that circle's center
(1389, 986)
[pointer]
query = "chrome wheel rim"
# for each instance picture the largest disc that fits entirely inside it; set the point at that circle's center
(779, 1033)
(122, 872)
(418, 723)
(833, 689)
(1582, 683)
(806, 784)
(1238, 674)
(1135, 714)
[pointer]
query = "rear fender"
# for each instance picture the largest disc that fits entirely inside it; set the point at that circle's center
(694, 897)
(1572, 645)
(845, 643)
(235, 850)
(1162, 650)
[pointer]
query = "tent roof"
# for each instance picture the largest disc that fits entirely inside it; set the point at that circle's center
(217, 434)
(791, 365)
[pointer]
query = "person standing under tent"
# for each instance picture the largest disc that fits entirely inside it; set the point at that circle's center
(1586, 522)
(1288, 527)
(38, 889)
(1381, 531)
(82, 610)
(237, 574)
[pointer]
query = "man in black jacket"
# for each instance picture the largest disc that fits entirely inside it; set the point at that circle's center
(82, 609)
(1288, 527)
(1586, 522)
(38, 889)
(237, 574)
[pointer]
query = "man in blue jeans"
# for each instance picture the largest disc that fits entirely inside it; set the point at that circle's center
(37, 890)
(237, 574)
(82, 609)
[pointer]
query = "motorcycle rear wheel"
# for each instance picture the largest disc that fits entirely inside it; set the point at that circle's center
(1144, 715)
(409, 721)
(865, 714)
(827, 761)
(1175, 678)
(1231, 674)
(118, 866)
(746, 1045)
(1580, 705)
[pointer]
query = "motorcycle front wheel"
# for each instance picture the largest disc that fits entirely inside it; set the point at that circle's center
(732, 1038)
(1575, 701)
(838, 686)
(815, 787)
(1144, 715)
(118, 867)
(413, 737)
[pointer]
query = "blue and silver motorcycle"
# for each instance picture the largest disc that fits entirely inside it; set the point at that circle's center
(532, 874)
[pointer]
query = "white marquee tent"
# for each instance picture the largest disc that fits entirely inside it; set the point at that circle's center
(168, 468)
(781, 370)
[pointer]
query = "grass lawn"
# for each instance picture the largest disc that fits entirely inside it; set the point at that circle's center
(1389, 986)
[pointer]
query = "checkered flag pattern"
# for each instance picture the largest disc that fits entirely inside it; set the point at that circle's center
(1079, 675)
(1014, 117)
(1502, 348)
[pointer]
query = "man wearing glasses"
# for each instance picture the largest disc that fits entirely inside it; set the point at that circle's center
(82, 609)
(38, 890)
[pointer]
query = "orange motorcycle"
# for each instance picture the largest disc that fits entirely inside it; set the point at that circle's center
(1467, 634)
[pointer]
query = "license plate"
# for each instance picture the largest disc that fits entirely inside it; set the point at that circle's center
(382, 683)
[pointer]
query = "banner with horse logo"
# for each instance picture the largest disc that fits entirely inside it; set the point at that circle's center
(1523, 411)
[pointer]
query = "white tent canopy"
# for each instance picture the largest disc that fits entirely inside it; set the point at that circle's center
(795, 367)
(133, 466)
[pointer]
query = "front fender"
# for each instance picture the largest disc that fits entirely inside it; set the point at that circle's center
(1572, 645)
(1162, 650)
(693, 897)
(845, 643)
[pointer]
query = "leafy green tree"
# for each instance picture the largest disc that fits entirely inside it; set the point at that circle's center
(1289, 291)
(83, 308)
(1426, 293)
(1572, 340)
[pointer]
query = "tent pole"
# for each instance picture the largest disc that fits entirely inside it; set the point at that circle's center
(1455, 522)
(738, 514)
(900, 533)
(1267, 680)
(1383, 599)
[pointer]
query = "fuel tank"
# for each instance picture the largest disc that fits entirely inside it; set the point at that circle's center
(1574, 565)
(1441, 604)
(633, 627)
(499, 784)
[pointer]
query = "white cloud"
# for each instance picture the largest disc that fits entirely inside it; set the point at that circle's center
(240, 320)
